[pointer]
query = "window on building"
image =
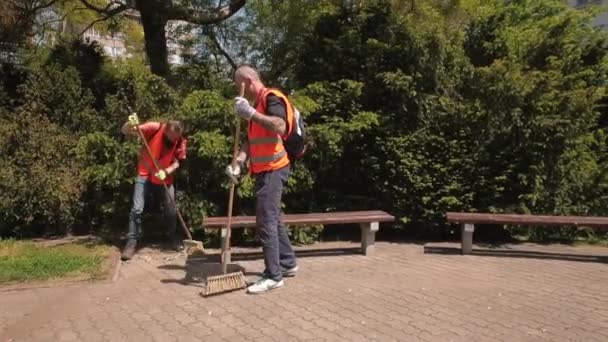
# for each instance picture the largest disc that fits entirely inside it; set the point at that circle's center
(588, 2)
(117, 51)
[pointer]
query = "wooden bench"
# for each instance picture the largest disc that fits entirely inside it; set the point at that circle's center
(468, 221)
(367, 220)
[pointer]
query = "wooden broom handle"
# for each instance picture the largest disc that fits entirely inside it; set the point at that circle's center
(145, 142)
(237, 133)
(235, 153)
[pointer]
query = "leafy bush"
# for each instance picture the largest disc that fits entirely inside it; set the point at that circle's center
(40, 175)
(418, 110)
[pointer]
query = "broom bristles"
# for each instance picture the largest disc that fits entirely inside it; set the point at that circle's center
(224, 283)
(194, 247)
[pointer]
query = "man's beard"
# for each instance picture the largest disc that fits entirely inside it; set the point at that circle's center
(168, 143)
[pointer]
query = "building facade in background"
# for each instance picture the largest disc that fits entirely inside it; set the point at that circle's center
(115, 45)
(602, 19)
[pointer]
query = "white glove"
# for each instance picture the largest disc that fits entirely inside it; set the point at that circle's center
(233, 173)
(133, 120)
(243, 109)
(161, 174)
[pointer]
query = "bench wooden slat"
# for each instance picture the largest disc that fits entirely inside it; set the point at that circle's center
(313, 218)
(540, 220)
(469, 220)
(368, 222)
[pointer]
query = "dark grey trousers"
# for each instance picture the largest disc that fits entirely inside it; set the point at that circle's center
(142, 190)
(278, 252)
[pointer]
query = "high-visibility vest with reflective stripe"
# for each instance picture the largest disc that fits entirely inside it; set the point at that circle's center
(266, 150)
(146, 167)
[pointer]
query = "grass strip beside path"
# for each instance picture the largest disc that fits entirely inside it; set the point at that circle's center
(22, 261)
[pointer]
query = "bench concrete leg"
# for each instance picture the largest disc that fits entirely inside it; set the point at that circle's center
(368, 237)
(467, 238)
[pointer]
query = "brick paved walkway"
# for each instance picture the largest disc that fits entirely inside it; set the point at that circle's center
(401, 294)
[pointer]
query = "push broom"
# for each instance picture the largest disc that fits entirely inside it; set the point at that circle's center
(227, 282)
(192, 246)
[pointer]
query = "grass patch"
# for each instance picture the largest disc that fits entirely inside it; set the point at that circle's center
(22, 261)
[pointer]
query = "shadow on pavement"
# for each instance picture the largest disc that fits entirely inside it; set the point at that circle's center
(511, 253)
(198, 267)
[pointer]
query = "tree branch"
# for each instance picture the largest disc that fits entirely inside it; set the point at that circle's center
(65, 15)
(93, 23)
(93, 7)
(42, 6)
(29, 8)
(200, 17)
(41, 34)
(224, 53)
(110, 10)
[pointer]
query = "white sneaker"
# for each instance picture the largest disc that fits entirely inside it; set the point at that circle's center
(290, 272)
(264, 285)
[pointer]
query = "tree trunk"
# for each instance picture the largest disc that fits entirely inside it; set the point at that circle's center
(154, 24)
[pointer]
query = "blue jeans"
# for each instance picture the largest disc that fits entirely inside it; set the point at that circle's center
(144, 189)
(278, 252)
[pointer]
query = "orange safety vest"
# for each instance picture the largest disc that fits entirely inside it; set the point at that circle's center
(266, 150)
(146, 168)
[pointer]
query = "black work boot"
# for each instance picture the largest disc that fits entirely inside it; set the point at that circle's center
(129, 250)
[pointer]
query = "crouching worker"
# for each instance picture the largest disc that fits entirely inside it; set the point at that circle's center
(168, 147)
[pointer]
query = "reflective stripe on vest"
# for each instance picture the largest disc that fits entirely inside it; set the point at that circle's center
(266, 140)
(269, 159)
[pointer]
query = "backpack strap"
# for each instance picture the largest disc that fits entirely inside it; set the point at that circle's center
(263, 98)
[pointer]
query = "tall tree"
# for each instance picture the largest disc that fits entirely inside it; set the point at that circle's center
(155, 14)
(17, 19)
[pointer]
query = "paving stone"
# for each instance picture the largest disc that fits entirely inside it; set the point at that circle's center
(399, 294)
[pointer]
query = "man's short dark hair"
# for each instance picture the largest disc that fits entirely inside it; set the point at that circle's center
(176, 126)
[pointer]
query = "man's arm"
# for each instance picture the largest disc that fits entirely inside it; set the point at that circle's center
(274, 120)
(276, 116)
(180, 154)
(172, 167)
(148, 129)
(127, 129)
(272, 123)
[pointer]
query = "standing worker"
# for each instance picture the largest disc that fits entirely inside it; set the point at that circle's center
(168, 147)
(270, 120)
